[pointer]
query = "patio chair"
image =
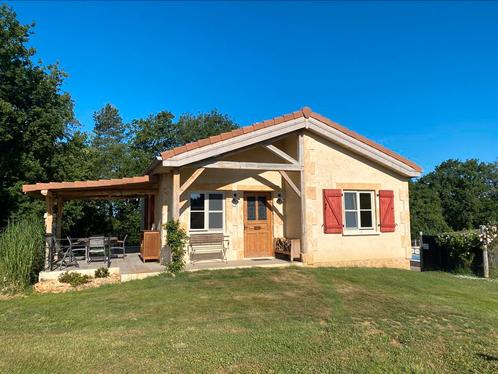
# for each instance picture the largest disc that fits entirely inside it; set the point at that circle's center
(119, 245)
(78, 246)
(65, 253)
(98, 246)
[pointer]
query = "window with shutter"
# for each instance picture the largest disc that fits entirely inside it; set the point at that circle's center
(386, 204)
(332, 211)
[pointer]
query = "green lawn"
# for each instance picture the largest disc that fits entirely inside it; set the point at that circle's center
(259, 320)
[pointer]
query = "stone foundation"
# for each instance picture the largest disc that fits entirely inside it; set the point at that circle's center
(54, 286)
(394, 263)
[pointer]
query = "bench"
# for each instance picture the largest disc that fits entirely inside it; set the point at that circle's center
(211, 243)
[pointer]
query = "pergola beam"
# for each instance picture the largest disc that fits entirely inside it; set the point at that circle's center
(107, 194)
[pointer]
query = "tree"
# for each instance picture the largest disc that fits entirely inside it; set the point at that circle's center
(35, 116)
(467, 190)
(112, 159)
(203, 125)
(158, 132)
(152, 135)
(425, 210)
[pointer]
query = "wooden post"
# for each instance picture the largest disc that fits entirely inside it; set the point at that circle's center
(58, 222)
(300, 155)
(485, 261)
(49, 222)
(421, 250)
(175, 204)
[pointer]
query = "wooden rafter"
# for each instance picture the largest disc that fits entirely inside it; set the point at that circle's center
(280, 153)
(290, 182)
(191, 179)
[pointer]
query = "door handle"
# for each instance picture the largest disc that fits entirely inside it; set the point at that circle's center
(257, 227)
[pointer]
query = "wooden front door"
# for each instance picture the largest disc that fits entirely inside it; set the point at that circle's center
(257, 224)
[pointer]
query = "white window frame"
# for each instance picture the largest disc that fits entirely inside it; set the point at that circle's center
(206, 211)
(358, 211)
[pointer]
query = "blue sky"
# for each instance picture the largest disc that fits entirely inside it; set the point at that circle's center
(418, 77)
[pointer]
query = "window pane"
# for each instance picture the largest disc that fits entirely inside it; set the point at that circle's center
(251, 208)
(261, 207)
(216, 220)
(196, 201)
(215, 201)
(365, 201)
(351, 220)
(366, 218)
(350, 200)
(196, 220)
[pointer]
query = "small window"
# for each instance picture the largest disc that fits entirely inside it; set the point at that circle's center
(359, 210)
(251, 208)
(206, 211)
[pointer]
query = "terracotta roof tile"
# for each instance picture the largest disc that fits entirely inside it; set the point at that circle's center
(203, 142)
(237, 132)
(247, 129)
(288, 117)
(306, 111)
(215, 139)
(226, 135)
(269, 122)
(258, 126)
(279, 120)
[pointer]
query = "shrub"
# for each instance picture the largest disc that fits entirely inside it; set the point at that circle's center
(22, 250)
(102, 273)
(176, 240)
(74, 278)
(462, 248)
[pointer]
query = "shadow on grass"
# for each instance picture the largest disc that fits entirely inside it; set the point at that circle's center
(487, 357)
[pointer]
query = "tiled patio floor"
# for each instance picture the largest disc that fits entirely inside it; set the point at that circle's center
(132, 267)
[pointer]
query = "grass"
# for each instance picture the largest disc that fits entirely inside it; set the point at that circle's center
(259, 320)
(22, 247)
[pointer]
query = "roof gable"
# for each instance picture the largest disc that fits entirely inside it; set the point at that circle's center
(266, 130)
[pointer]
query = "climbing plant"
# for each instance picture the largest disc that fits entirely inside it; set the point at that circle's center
(176, 241)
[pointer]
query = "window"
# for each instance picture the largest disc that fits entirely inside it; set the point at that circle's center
(256, 208)
(359, 210)
(206, 211)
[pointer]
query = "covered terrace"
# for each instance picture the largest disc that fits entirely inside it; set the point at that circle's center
(56, 194)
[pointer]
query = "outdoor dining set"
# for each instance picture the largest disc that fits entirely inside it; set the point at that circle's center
(67, 252)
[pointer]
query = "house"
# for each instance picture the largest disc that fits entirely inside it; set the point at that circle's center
(298, 176)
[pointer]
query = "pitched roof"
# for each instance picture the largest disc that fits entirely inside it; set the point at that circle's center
(305, 112)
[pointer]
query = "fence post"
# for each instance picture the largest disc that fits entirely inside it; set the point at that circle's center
(421, 250)
(485, 261)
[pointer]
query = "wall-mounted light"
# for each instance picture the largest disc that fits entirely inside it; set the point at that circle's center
(235, 199)
(280, 198)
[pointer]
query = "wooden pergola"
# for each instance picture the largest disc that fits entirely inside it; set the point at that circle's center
(56, 193)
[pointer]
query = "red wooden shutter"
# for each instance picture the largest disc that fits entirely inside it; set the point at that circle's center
(386, 203)
(332, 211)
